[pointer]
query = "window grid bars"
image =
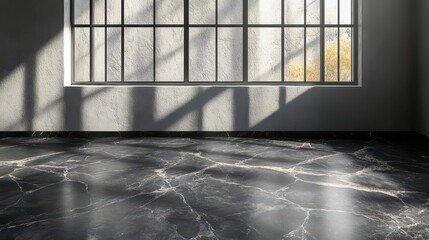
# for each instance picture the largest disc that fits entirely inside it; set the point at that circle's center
(73, 41)
(244, 26)
(355, 40)
(305, 41)
(283, 41)
(186, 30)
(122, 39)
(91, 45)
(105, 41)
(322, 40)
(216, 42)
(212, 25)
(154, 43)
(339, 42)
(245, 41)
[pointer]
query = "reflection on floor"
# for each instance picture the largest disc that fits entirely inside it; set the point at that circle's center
(212, 188)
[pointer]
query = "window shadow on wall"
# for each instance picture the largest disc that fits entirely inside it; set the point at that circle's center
(42, 21)
(29, 93)
(26, 26)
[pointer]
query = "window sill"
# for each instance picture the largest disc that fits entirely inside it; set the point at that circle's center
(218, 85)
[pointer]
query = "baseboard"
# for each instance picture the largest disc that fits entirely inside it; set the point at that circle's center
(250, 134)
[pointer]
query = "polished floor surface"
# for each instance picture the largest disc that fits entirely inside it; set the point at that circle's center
(212, 188)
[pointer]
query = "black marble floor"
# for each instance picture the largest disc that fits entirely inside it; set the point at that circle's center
(212, 188)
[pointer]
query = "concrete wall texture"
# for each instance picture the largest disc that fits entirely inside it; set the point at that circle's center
(423, 79)
(33, 96)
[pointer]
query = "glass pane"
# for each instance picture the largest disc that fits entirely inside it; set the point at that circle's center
(138, 11)
(331, 11)
(331, 54)
(81, 12)
(169, 54)
(99, 54)
(230, 54)
(114, 11)
(114, 61)
(346, 11)
(313, 54)
(313, 11)
(99, 11)
(346, 54)
(294, 11)
(264, 11)
(138, 50)
(264, 54)
(81, 55)
(202, 55)
(230, 11)
(294, 54)
(202, 11)
(169, 11)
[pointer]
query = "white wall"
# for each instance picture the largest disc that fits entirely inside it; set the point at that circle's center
(32, 96)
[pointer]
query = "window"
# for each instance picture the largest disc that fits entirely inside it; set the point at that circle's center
(214, 42)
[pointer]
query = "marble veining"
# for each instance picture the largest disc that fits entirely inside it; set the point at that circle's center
(213, 188)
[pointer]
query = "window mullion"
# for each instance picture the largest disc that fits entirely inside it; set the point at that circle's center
(245, 41)
(72, 24)
(91, 42)
(154, 41)
(283, 42)
(216, 43)
(355, 40)
(122, 41)
(105, 41)
(322, 40)
(305, 41)
(186, 47)
(338, 44)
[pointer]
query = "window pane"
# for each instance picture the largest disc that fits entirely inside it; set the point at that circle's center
(81, 12)
(169, 11)
(99, 55)
(230, 54)
(294, 54)
(114, 54)
(169, 54)
(346, 54)
(202, 55)
(313, 11)
(331, 11)
(138, 11)
(264, 54)
(202, 11)
(313, 54)
(138, 50)
(346, 11)
(230, 11)
(81, 54)
(331, 54)
(99, 11)
(302, 55)
(294, 11)
(265, 11)
(114, 11)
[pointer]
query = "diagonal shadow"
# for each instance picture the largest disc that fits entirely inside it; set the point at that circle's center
(197, 102)
(29, 93)
(21, 20)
